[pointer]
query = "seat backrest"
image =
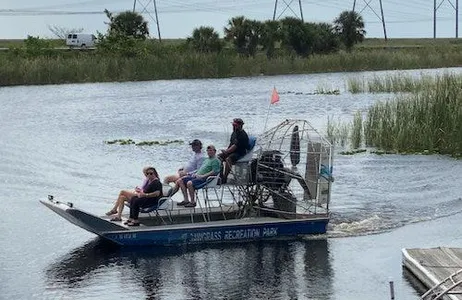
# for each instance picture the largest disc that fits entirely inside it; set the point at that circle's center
(167, 190)
(211, 182)
(246, 158)
(163, 203)
(252, 142)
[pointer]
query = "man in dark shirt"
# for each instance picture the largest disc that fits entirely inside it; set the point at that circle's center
(238, 145)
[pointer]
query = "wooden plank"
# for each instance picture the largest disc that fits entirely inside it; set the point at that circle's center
(434, 265)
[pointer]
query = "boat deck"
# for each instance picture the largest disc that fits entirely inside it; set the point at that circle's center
(198, 217)
(435, 265)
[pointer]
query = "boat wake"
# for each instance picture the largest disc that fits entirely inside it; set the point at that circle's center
(386, 220)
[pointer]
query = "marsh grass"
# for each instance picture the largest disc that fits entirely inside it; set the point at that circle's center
(428, 121)
(346, 134)
(154, 61)
(388, 84)
(337, 132)
(143, 143)
(425, 121)
(357, 130)
(353, 152)
(326, 89)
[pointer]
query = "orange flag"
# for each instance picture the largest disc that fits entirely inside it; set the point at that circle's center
(274, 96)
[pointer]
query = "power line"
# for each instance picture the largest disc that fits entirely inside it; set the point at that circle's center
(398, 11)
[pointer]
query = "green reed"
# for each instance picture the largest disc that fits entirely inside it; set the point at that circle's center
(388, 84)
(324, 89)
(168, 62)
(337, 132)
(426, 121)
(357, 130)
(341, 133)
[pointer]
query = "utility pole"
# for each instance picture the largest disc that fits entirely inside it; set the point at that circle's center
(457, 19)
(383, 21)
(287, 7)
(144, 5)
(381, 17)
(435, 9)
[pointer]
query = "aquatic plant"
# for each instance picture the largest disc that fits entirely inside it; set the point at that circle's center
(337, 132)
(158, 61)
(357, 130)
(120, 142)
(428, 121)
(381, 152)
(388, 84)
(159, 143)
(143, 143)
(323, 89)
(353, 152)
(326, 92)
(355, 85)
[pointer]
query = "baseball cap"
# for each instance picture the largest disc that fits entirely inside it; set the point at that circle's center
(238, 121)
(196, 142)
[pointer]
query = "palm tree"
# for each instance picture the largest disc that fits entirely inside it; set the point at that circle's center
(254, 31)
(297, 36)
(236, 32)
(271, 34)
(350, 27)
(205, 39)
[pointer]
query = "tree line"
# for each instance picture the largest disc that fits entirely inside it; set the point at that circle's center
(247, 37)
(128, 32)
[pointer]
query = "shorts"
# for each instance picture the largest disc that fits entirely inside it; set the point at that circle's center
(196, 182)
(233, 156)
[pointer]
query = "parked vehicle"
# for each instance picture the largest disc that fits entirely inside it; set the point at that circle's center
(81, 40)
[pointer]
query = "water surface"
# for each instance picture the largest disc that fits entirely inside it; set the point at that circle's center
(53, 142)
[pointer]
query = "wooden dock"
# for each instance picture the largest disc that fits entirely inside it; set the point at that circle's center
(439, 269)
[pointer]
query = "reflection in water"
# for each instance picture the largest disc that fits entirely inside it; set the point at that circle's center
(277, 270)
(416, 284)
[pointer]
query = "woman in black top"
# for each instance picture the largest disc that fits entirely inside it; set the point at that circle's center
(127, 196)
(148, 197)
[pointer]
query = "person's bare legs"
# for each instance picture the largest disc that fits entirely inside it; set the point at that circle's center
(180, 183)
(228, 164)
(124, 195)
(175, 178)
(171, 178)
(191, 191)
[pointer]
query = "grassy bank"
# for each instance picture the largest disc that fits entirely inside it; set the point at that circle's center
(54, 67)
(426, 120)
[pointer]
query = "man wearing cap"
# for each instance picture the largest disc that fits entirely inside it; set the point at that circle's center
(238, 145)
(194, 163)
(189, 183)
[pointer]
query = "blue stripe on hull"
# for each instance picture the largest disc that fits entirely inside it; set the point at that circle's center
(242, 232)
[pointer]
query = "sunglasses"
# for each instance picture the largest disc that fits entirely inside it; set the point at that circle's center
(150, 173)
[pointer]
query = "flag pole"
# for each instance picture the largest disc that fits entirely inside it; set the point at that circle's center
(267, 115)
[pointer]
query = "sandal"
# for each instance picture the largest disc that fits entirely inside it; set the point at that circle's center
(128, 222)
(111, 212)
(133, 224)
(116, 219)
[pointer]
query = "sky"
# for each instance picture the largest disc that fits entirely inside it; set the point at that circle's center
(178, 18)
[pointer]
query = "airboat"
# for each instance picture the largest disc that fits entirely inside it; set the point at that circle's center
(280, 190)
